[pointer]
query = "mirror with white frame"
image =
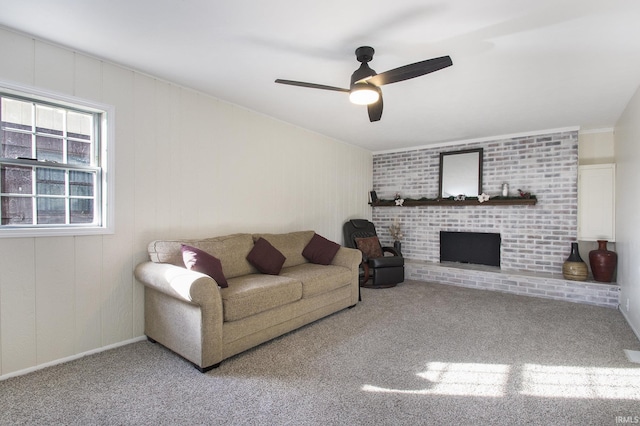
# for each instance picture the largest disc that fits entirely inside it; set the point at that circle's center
(461, 173)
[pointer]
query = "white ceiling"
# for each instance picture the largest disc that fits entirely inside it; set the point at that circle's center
(518, 65)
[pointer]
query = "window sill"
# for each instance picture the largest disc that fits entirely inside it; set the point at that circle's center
(54, 232)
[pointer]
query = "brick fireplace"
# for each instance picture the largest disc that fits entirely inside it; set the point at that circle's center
(535, 238)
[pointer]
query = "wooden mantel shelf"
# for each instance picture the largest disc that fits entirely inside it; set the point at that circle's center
(448, 202)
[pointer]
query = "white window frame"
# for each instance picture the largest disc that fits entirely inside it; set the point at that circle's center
(106, 114)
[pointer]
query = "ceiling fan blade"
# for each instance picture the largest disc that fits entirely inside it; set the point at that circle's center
(410, 71)
(375, 110)
(312, 85)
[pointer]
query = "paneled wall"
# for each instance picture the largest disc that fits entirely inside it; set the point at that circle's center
(534, 238)
(187, 165)
(627, 151)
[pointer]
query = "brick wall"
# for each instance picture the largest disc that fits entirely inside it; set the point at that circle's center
(534, 238)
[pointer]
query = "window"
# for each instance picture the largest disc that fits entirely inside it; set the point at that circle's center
(53, 165)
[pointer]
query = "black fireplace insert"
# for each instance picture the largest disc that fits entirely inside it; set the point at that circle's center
(480, 248)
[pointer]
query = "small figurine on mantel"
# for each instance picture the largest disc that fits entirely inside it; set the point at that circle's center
(398, 199)
(524, 194)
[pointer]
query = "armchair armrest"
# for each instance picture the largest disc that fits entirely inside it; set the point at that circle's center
(391, 250)
(180, 283)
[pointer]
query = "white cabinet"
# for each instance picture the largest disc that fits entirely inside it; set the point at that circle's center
(596, 202)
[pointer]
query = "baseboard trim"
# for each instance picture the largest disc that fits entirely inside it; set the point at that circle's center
(624, 315)
(70, 358)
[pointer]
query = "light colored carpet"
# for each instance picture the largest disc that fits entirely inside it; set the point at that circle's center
(416, 354)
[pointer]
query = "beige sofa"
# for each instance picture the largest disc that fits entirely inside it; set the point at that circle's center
(188, 312)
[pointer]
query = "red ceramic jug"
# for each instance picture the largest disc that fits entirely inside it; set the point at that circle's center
(603, 262)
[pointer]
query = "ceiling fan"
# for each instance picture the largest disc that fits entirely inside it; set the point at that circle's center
(365, 82)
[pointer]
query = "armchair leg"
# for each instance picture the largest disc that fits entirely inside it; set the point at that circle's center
(366, 277)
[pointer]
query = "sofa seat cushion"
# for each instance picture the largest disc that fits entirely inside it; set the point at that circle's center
(251, 294)
(317, 279)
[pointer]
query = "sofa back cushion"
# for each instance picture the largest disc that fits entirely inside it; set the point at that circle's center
(232, 250)
(290, 245)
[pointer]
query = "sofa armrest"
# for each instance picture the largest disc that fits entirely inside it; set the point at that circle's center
(348, 257)
(183, 311)
(180, 283)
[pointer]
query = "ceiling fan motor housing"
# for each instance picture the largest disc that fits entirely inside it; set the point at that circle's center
(361, 73)
(364, 54)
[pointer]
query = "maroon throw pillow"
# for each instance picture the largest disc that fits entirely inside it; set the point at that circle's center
(266, 258)
(370, 247)
(201, 261)
(320, 250)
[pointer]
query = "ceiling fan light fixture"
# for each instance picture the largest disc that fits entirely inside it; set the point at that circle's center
(363, 94)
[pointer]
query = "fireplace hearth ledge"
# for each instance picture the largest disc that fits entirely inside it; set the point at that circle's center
(545, 285)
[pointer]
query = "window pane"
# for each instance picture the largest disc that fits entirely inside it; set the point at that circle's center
(16, 211)
(49, 181)
(49, 149)
(78, 153)
(16, 114)
(49, 120)
(51, 210)
(16, 180)
(42, 193)
(81, 183)
(81, 210)
(14, 145)
(79, 125)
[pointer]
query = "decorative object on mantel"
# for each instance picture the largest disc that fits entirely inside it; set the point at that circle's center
(395, 229)
(505, 189)
(460, 197)
(574, 267)
(374, 196)
(398, 199)
(483, 197)
(524, 194)
(461, 173)
(603, 262)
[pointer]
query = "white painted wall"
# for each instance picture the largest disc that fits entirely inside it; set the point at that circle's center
(187, 165)
(596, 147)
(627, 149)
